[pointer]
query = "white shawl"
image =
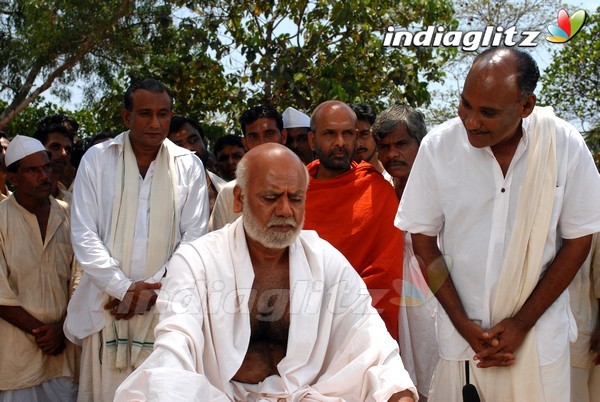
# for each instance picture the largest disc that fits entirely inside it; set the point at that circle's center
(125, 339)
(338, 346)
(522, 265)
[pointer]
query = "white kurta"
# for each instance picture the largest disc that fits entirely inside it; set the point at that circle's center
(338, 346)
(222, 213)
(93, 194)
(460, 193)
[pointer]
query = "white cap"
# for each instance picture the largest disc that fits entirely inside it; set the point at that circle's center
(20, 147)
(293, 118)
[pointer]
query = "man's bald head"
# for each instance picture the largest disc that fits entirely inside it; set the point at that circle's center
(327, 107)
(518, 65)
(267, 157)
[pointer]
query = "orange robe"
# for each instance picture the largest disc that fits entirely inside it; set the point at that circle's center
(355, 213)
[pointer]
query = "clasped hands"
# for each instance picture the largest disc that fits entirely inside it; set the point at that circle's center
(50, 338)
(496, 346)
(140, 297)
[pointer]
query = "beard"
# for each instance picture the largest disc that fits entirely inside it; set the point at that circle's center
(330, 162)
(266, 236)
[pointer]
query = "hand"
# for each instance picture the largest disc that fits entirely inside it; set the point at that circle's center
(510, 334)
(595, 345)
(140, 297)
(50, 338)
(482, 341)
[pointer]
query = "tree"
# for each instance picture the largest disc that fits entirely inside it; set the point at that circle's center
(49, 42)
(300, 53)
(524, 15)
(572, 81)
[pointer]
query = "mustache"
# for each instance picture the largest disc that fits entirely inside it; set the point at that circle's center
(278, 221)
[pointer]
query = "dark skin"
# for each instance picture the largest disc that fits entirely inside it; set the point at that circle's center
(33, 186)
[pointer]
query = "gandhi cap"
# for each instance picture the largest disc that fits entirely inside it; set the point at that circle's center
(293, 118)
(20, 147)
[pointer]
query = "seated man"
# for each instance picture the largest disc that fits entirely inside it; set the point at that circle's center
(263, 310)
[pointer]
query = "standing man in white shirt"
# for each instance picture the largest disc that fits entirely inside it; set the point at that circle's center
(513, 194)
(135, 199)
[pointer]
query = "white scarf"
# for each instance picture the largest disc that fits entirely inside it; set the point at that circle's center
(522, 265)
(129, 342)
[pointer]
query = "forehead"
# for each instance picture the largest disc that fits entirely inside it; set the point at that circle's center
(335, 117)
(144, 99)
(230, 149)
(4, 142)
(278, 174)
(186, 131)
(363, 125)
(297, 131)
(400, 133)
(37, 159)
(59, 138)
(262, 124)
(492, 82)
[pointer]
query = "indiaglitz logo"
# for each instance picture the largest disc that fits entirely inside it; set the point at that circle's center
(489, 36)
(566, 27)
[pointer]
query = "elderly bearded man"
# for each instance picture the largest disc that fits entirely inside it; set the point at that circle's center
(261, 310)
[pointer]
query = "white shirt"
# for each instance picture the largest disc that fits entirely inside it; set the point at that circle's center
(338, 346)
(91, 214)
(222, 213)
(459, 192)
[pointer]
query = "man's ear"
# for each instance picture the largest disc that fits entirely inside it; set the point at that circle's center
(126, 116)
(11, 177)
(237, 199)
(311, 140)
(284, 135)
(528, 105)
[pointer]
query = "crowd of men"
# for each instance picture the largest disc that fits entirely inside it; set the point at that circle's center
(347, 255)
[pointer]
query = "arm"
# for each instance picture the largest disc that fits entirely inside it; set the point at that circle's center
(195, 211)
(438, 277)
(404, 396)
(511, 331)
(49, 338)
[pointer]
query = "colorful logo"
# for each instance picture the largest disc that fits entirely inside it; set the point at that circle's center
(566, 27)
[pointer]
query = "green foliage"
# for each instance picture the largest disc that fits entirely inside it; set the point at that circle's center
(302, 53)
(572, 81)
(218, 57)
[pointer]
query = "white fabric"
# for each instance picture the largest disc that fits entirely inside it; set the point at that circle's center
(58, 389)
(20, 147)
(584, 292)
(416, 322)
(460, 193)
(338, 346)
(449, 378)
(222, 213)
(585, 384)
(217, 181)
(293, 118)
(93, 195)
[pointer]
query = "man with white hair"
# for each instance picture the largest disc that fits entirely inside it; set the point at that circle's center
(297, 125)
(261, 310)
(36, 267)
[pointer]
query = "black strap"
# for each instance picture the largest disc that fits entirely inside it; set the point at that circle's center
(469, 391)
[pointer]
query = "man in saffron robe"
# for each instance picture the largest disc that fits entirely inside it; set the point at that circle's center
(352, 206)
